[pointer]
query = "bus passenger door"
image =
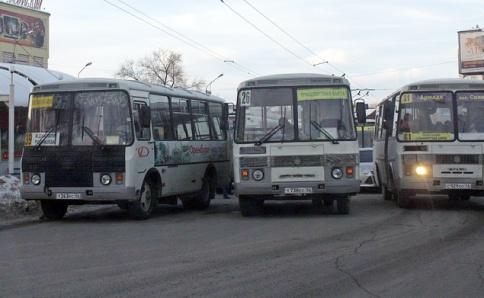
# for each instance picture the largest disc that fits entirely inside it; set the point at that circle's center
(144, 154)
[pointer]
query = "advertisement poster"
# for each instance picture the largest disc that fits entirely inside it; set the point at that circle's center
(471, 52)
(21, 29)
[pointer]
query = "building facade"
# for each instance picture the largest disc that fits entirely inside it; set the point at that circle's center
(24, 35)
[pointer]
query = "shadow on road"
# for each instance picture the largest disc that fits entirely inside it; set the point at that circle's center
(442, 203)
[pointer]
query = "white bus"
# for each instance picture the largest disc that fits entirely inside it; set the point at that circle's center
(429, 139)
(125, 142)
(295, 139)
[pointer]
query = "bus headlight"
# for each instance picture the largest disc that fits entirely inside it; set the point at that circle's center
(337, 173)
(106, 179)
(421, 170)
(35, 179)
(258, 175)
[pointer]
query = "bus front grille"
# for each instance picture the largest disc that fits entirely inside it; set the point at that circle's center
(68, 178)
(297, 161)
(469, 159)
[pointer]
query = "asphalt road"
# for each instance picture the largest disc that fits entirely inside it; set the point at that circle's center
(433, 250)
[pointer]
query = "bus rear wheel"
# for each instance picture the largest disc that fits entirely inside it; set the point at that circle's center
(250, 207)
(202, 200)
(142, 208)
(53, 210)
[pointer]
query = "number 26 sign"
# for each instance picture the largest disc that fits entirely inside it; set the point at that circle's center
(244, 98)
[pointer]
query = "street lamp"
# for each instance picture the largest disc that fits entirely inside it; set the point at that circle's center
(210, 84)
(85, 66)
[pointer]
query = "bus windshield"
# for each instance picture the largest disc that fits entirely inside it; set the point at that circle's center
(98, 118)
(323, 114)
(470, 110)
(426, 116)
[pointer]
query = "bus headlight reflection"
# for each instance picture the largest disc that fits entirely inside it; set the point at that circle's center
(337, 173)
(421, 170)
(35, 179)
(258, 175)
(106, 179)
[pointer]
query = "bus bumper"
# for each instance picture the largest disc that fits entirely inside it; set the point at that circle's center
(280, 190)
(472, 186)
(93, 194)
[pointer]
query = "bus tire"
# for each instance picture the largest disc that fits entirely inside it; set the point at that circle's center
(465, 197)
(387, 195)
(250, 207)
(202, 200)
(53, 210)
(317, 203)
(142, 208)
(403, 200)
(343, 205)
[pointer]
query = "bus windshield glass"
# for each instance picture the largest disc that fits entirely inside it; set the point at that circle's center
(323, 114)
(266, 114)
(98, 118)
(426, 116)
(470, 110)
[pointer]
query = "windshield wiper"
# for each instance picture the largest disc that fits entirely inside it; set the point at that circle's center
(91, 135)
(44, 137)
(269, 135)
(324, 131)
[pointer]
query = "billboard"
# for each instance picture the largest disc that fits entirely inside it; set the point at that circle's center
(471, 52)
(22, 29)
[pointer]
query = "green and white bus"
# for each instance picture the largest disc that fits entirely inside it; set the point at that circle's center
(295, 139)
(429, 139)
(113, 141)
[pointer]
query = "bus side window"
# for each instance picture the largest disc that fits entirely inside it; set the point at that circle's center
(142, 133)
(200, 120)
(161, 118)
(182, 121)
(216, 111)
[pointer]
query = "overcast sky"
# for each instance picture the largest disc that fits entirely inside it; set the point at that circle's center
(378, 44)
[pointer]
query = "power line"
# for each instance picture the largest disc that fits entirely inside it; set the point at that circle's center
(265, 34)
(309, 50)
(404, 68)
(198, 44)
(284, 31)
(191, 44)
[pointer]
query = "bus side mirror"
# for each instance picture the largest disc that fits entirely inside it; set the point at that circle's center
(225, 117)
(145, 116)
(361, 112)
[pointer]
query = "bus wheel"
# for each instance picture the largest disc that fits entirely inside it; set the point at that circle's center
(465, 197)
(53, 210)
(142, 208)
(317, 203)
(202, 200)
(403, 200)
(343, 205)
(250, 207)
(387, 195)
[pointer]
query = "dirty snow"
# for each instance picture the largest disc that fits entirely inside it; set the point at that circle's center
(11, 203)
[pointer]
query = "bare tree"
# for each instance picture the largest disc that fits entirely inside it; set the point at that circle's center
(160, 67)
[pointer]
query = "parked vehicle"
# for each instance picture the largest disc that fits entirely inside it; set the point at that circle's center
(429, 139)
(295, 139)
(368, 182)
(124, 142)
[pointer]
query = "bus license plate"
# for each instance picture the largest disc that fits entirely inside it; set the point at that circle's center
(298, 190)
(68, 196)
(458, 186)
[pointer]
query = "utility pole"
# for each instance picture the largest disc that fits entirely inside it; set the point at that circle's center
(11, 125)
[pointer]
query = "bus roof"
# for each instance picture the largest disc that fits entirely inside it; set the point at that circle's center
(444, 84)
(296, 79)
(438, 85)
(130, 86)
